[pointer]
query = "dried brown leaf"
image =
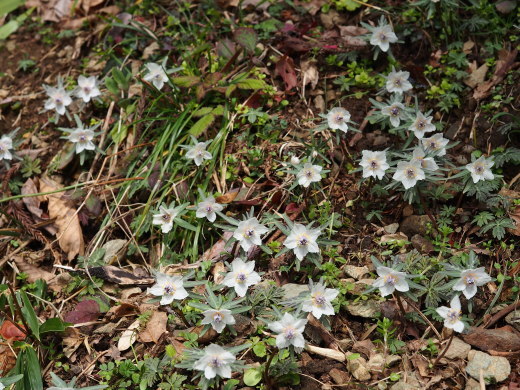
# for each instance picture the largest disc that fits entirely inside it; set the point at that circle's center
(228, 197)
(70, 235)
(310, 73)
(285, 68)
(155, 327)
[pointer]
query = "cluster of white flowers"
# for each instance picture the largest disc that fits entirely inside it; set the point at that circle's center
(59, 98)
(391, 280)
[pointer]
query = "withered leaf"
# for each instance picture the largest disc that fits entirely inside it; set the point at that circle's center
(285, 68)
(155, 327)
(85, 311)
(115, 275)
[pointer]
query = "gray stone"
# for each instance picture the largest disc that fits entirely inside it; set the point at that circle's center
(422, 244)
(365, 309)
(412, 383)
(378, 362)
(513, 319)
(415, 224)
(355, 272)
(497, 367)
(292, 290)
(458, 349)
(358, 368)
(392, 228)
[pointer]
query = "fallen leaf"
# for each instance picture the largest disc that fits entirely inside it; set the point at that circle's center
(505, 6)
(85, 311)
(155, 327)
(34, 273)
(123, 278)
(349, 35)
(309, 73)
(502, 66)
(128, 337)
(11, 332)
(285, 69)
(215, 251)
(70, 235)
(88, 4)
(33, 205)
(477, 77)
(72, 339)
(228, 197)
(218, 271)
(7, 358)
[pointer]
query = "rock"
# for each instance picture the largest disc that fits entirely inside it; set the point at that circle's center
(472, 384)
(378, 362)
(407, 210)
(497, 367)
(513, 319)
(392, 228)
(422, 244)
(458, 349)
(292, 290)
(338, 376)
(412, 383)
(365, 309)
(415, 224)
(396, 237)
(357, 367)
(355, 272)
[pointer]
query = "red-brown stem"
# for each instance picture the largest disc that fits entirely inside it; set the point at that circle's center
(444, 351)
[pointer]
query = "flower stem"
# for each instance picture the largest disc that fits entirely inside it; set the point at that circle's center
(182, 316)
(400, 304)
(267, 379)
(444, 351)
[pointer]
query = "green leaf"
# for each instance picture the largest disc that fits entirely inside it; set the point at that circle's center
(7, 6)
(203, 111)
(185, 225)
(219, 110)
(28, 365)
(230, 90)
(202, 125)
(251, 84)
(231, 384)
(247, 38)
(8, 28)
(186, 81)
(260, 350)
(353, 356)
(120, 78)
(30, 315)
(53, 325)
(111, 85)
(10, 380)
(252, 377)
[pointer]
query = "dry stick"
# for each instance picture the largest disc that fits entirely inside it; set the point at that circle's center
(505, 311)
(425, 319)
(444, 351)
(400, 304)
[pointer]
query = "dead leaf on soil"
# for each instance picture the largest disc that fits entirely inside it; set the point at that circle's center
(70, 235)
(285, 69)
(118, 276)
(128, 337)
(155, 328)
(506, 60)
(477, 76)
(33, 205)
(218, 271)
(349, 35)
(228, 197)
(7, 358)
(11, 332)
(219, 247)
(514, 213)
(309, 73)
(71, 341)
(34, 273)
(85, 311)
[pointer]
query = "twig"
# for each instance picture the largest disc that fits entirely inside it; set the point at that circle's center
(425, 319)
(505, 311)
(444, 351)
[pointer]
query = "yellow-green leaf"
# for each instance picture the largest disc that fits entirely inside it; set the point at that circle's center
(202, 125)
(186, 81)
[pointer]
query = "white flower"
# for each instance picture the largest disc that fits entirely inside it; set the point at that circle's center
(2, 387)
(295, 160)
(421, 125)
(156, 75)
(208, 208)
(216, 361)
(397, 82)
(290, 332)
(337, 119)
(382, 36)
(83, 139)
(409, 173)
(169, 288)
(248, 233)
(452, 315)
(6, 143)
(470, 279)
(302, 240)
(198, 152)
(427, 163)
(308, 174)
(165, 218)
(480, 169)
(390, 280)
(87, 88)
(319, 300)
(436, 143)
(58, 98)
(374, 164)
(218, 319)
(396, 112)
(241, 276)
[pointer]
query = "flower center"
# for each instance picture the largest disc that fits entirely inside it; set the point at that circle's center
(470, 279)
(374, 164)
(390, 279)
(302, 241)
(382, 37)
(82, 138)
(209, 209)
(397, 82)
(421, 125)
(289, 333)
(453, 315)
(394, 111)
(169, 290)
(241, 277)
(479, 169)
(215, 362)
(86, 89)
(433, 145)
(166, 217)
(217, 317)
(319, 300)
(249, 233)
(308, 173)
(339, 119)
(58, 101)
(410, 173)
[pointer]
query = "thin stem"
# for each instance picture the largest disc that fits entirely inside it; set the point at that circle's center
(400, 304)
(444, 351)
(182, 316)
(267, 379)
(424, 318)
